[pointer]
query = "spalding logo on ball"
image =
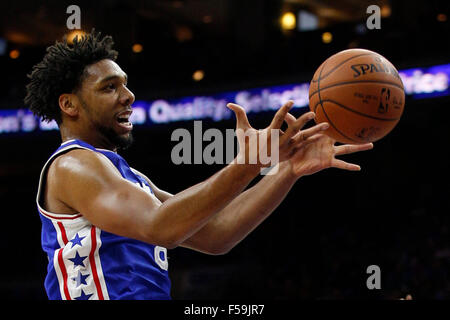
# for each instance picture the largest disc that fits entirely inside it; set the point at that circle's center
(359, 93)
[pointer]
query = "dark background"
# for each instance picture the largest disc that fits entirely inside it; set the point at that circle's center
(319, 242)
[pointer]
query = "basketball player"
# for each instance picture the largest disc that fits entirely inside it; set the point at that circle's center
(105, 226)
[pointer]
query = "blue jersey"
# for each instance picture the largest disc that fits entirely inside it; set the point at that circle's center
(85, 262)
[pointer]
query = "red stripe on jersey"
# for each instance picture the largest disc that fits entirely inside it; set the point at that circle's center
(63, 233)
(93, 265)
(62, 267)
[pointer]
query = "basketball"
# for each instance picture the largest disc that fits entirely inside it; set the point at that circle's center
(359, 93)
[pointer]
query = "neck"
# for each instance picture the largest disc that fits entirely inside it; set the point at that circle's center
(97, 142)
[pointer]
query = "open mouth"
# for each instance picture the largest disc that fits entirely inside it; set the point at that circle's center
(123, 120)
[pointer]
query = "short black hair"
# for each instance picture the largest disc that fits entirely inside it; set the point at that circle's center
(61, 71)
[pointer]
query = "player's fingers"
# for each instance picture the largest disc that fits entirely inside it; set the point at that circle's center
(305, 134)
(351, 148)
(241, 116)
(308, 141)
(290, 119)
(280, 116)
(296, 126)
(340, 164)
(312, 139)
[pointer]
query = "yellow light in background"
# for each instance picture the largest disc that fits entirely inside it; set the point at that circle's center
(137, 48)
(327, 37)
(198, 75)
(385, 11)
(183, 33)
(14, 54)
(288, 21)
(441, 17)
(75, 33)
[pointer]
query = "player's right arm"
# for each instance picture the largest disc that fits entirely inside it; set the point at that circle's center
(88, 183)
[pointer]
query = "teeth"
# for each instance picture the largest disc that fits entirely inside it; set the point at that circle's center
(123, 118)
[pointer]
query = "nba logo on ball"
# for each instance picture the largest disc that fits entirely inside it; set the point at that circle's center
(359, 93)
(384, 100)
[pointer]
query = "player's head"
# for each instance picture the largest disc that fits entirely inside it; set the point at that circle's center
(83, 89)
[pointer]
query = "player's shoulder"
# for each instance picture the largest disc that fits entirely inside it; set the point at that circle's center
(76, 158)
(78, 161)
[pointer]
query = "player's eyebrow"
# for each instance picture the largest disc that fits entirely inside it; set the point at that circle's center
(114, 76)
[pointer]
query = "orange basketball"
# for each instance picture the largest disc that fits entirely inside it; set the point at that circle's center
(359, 93)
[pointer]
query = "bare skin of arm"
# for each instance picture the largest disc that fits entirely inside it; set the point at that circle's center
(86, 182)
(112, 203)
(253, 206)
(241, 216)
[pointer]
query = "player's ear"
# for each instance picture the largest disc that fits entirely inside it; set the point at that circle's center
(68, 104)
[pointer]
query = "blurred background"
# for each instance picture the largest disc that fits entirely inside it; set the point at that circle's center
(332, 225)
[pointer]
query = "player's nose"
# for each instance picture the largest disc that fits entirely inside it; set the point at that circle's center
(127, 97)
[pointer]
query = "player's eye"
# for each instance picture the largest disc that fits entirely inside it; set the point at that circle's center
(110, 86)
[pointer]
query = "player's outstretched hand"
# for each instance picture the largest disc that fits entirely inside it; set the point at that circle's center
(319, 153)
(287, 142)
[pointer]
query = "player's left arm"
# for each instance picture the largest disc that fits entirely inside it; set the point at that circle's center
(251, 207)
(244, 213)
(241, 216)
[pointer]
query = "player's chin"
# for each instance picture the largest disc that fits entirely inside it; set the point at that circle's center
(122, 137)
(124, 141)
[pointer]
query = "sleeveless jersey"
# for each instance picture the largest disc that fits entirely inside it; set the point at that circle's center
(85, 262)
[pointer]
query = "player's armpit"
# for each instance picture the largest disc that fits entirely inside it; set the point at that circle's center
(89, 183)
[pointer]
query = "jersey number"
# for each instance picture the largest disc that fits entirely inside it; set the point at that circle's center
(160, 253)
(161, 257)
